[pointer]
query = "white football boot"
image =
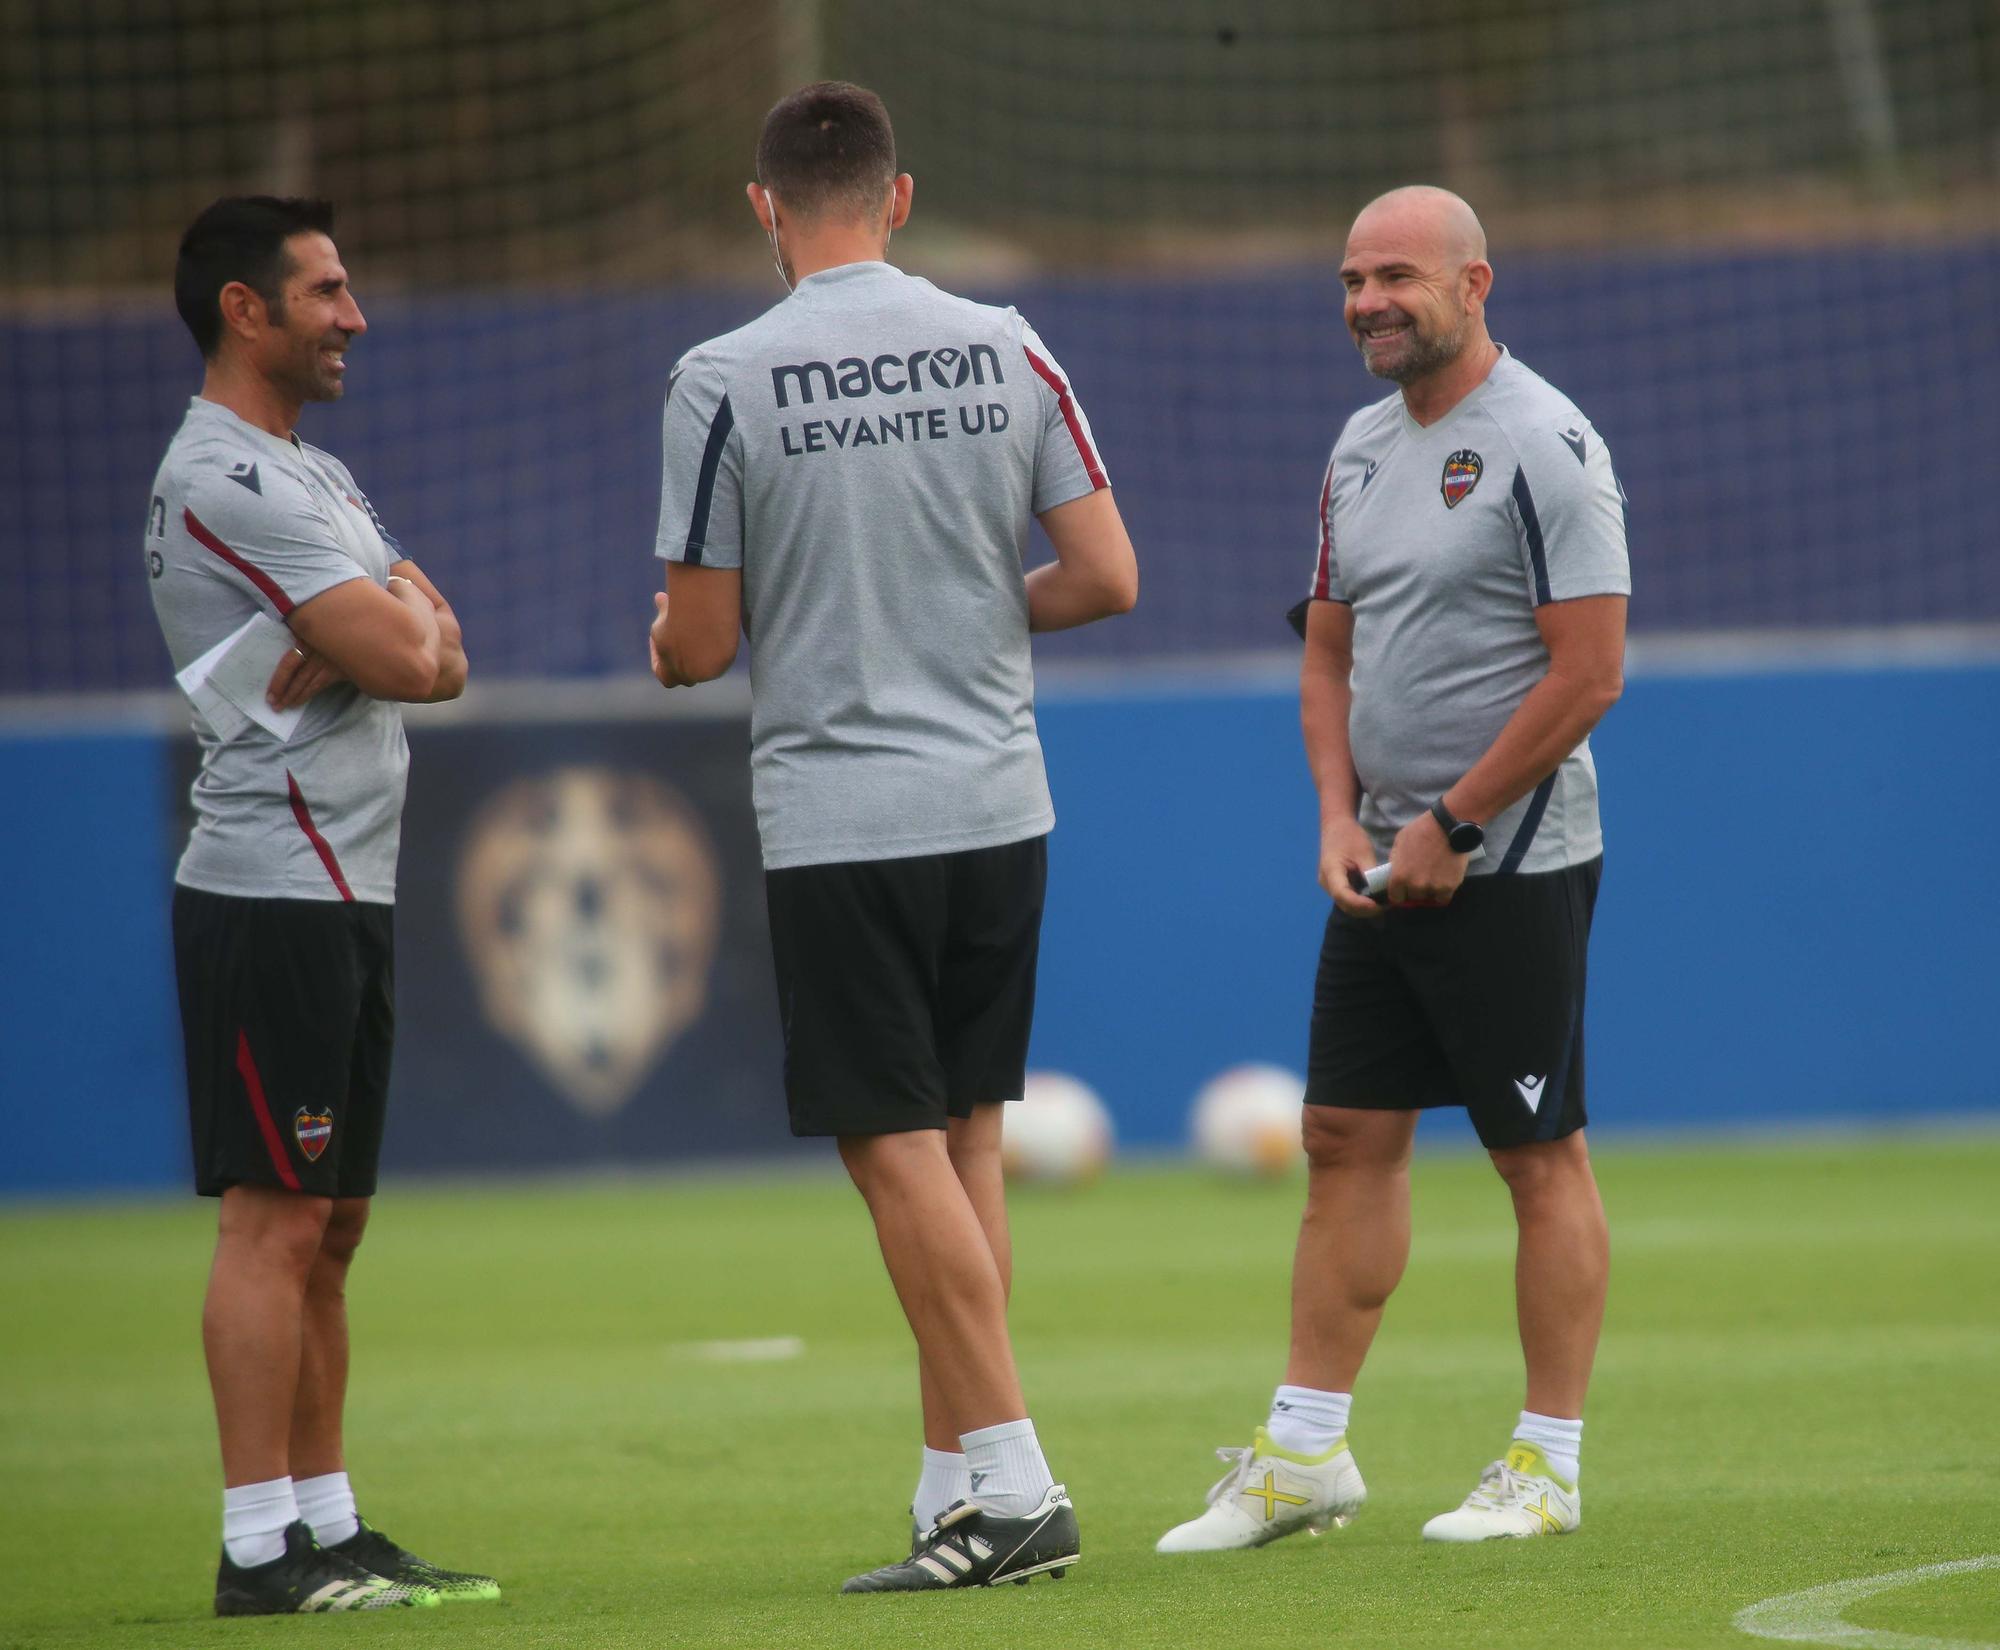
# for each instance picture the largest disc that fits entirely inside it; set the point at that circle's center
(1518, 1495)
(1269, 1492)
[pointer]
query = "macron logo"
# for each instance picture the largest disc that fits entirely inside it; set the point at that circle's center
(245, 475)
(851, 377)
(1531, 1091)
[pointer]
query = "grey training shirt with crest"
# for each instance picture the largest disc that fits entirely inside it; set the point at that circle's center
(243, 522)
(1444, 539)
(870, 453)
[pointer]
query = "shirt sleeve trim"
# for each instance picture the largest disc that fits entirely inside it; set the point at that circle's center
(1323, 568)
(1093, 466)
(256, 575)
(704, 492)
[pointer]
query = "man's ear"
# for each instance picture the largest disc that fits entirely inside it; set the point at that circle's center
(1478, 280)
(760, 204)
(899, 200)
(243, 309)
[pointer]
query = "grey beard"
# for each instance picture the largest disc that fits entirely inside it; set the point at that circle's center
(1426, 356)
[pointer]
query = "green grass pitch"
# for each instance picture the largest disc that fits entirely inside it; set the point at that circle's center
(1799, 1384)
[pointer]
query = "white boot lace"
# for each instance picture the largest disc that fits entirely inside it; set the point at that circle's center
(1237, 1475)
(1500, 1487)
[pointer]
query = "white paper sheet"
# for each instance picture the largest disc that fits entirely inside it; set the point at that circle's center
(227, 683)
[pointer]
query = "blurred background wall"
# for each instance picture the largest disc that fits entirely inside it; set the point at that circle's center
(1758, 242)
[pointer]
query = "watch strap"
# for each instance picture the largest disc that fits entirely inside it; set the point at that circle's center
(1462, 835)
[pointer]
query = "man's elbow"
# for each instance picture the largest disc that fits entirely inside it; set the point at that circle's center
(1121, 591)
(1603, 692)
(450, 681)
(408, 675)
(1591, 688)
(704, 661)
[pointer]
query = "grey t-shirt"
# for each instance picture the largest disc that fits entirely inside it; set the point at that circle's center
(1444, 540)
(870, 453)
(244, 522)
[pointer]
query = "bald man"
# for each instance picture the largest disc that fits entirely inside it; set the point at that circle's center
(1464, 632)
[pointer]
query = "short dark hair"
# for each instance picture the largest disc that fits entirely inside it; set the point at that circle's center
(828, 148)
(241, 238)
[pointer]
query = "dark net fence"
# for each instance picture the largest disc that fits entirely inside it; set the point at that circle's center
(1758, 242)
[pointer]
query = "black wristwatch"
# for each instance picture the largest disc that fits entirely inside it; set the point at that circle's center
(1462, 834)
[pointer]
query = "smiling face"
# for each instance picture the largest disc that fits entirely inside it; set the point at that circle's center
(304, 340)
(1416, 276)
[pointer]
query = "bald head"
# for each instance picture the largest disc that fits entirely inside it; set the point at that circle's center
(1420, 219)
(1416, 275)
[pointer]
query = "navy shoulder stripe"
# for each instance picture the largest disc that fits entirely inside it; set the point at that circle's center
(704, 493)
(1531, 524)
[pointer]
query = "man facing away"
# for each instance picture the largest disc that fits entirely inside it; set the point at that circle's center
(1465, 631)
(850, 480)
(262, 548)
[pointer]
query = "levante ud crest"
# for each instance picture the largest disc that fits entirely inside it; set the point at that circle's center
(1461, 474)
(313, 1129)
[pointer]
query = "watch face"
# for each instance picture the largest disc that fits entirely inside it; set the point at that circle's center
(1465, 836)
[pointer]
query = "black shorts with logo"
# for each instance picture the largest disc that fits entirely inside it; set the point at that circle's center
(1478, 1004)
(906, 987)
(288, 1015)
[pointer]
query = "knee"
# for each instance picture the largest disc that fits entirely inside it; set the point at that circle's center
(344, 1226)
(1547, 1171)
(1340, 1138)
(879, 1164)
(274, 1229)
(974, 1152)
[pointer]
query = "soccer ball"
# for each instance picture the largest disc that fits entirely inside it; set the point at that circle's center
(1058, 1132)
(1247, 1120)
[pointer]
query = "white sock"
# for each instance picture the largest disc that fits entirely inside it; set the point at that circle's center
(943, 1481)
(1307, 1422)
(1561, 1441)
(327, 1504)
(254, 1518)
(1006, 1472)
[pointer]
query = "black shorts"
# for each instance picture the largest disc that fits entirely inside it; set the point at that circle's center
(1476, 1004)
(906, 987)
(288, 1015)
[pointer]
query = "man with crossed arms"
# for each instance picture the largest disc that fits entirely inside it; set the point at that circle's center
(284, 899)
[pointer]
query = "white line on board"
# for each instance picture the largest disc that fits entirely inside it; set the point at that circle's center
(1814, 1616)
(632, 695)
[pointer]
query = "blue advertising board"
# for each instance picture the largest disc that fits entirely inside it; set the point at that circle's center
(1793, 926)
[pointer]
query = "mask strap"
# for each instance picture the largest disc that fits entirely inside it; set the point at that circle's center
(777, 254)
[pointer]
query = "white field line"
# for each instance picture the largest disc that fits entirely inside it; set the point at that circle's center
(773, 1349)
(1815, 1615)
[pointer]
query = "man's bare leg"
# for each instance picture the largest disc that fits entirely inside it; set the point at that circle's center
(1354, 1240)
(316, 1443)
(1562, 1261)
(252, 1324)
(943, 1268)
(973, 1145)
(1562, 1265)
(942, 1261)
(319, 1465)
